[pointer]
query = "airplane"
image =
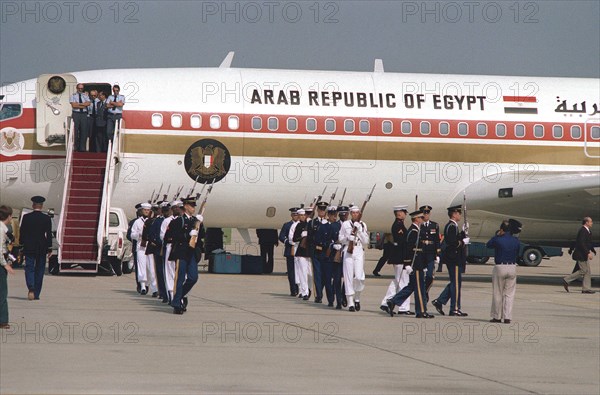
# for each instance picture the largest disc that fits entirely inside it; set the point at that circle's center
(521, 147)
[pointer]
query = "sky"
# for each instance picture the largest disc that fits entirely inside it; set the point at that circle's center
(528, 38)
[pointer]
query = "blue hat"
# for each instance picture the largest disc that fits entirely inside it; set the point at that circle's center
(453, 209)
(415, 214)
(38, 199)
(426, 209)
(322, 205)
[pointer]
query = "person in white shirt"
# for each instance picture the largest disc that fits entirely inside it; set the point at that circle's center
(354, 232)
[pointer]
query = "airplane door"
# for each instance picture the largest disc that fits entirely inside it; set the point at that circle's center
(53, 108)
(592, 138)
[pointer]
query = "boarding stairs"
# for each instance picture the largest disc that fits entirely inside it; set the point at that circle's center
(83, 224)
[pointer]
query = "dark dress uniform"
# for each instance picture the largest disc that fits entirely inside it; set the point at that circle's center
(134, 250)
(186, 258)
(399, 247)
(36, 239)
(336, 267)
(320, 230)
(416, 282)
(454, 258)
(430, 239)
(267, 239)
(289, 258)
(154, 247)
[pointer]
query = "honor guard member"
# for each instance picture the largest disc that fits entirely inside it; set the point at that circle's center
(167, 238)
(336, 268)
(136, 234)
(504, 274)
(115, 112)
(155, 246)
(415, 265)
(80, 102)
(302, 254)
(397, 254)
(138, 213)
(430, 239)
(149, 251)
(184, 228)
(287, 251)
(320, 230)
(36, 239)
(354, 232)
(343, 212)
(454, 258)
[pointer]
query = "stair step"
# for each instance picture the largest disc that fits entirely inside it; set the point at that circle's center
(84, 200)
(89, 231)
(79, 239)
(80, 224)
(72, 248)
(81, 216)
(87, 178)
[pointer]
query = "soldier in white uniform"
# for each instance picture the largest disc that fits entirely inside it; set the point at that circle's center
(354, 232)
(136, 234)
(299, 231)
(176, 206)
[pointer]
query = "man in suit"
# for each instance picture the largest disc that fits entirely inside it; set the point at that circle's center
(267, 240)
(36, 239)
(287, 252)
(583, 255)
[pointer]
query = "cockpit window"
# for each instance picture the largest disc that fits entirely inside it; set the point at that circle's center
(10, 110)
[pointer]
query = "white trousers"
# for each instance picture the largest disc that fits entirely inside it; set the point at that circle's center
(354, 274)
(302, 266)
(169, 270)
(151, 274)
(504, 286)
(400, 281)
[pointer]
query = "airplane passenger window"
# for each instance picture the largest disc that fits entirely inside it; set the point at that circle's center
(364, 126)
(463, 129)
(257, 123)
(482, 129)
(176, 120)
(538, 131)
(292, 124)
(500, 130)
(406, 127)
(311, 124)
(520, 130)
(387, 127)
(444, 128)
(557, 132)
(330, 125)
(215, 121)
(349, 126)
(233, 122)
(196, 121)
(10, 110)
(273, 124)
(425, 128)
(596, 132)
(157, 120)
(575, 132)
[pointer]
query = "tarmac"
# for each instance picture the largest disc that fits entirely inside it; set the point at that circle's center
(245, 334)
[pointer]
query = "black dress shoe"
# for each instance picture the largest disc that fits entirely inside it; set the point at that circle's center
(154, 294)
(495, 321)
(588, 291)
(185, 303)
(318, 300)
(165, 300)
(438, 306)
(507, 321)
(344, 302)
(177, 311)
(309, 293)
(144, 291)
(376, 274)
(385, 309)
(305, 297)
(330, 304)
(405, 313)
(458, 313)
(424, 315)
(566, 285)
(390, 306)
(300, 295)
(351, 308)
(338, 307)
(357, 305)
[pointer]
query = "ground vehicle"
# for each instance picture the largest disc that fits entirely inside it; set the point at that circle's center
(529, 255)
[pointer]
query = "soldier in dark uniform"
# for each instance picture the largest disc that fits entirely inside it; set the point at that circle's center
(138, 213)
(454, 258)
(36, 239)
(181, 230)
(415, 263)
(320, 230)
(397, 254)
(267, 240)
(334, 269)
(287, 251)
(304, 251)
(155, 246)
(430, 239)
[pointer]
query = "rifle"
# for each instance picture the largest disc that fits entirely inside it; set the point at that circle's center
(416, 202)
(194, 186)
(466, 223)
(200, 193)
(151, 196)
(177, 193)
(194, 239)
(364, 205)
(333, 195)
(166, 193)
(342, 199)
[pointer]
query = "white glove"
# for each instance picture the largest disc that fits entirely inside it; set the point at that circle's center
(193, 232)
(292, 243)
(200, 218)
(304, 233)
(337, 247)
(357, 226)
(408, 269)
(437, 259)
(466, 240)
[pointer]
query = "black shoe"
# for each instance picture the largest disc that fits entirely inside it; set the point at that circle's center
(309, 293)
(390, 306)
(376, 274)
(300, 295)
(385, 309)
(566, 285)
(405, 313)
(305, 297)
(338, 307)
(495, 321)
(588, 291)
(177, 311)
(424, 315)
(154, 294)
(293, 293)
(351, 308)
(344, 302)
(185, 303)
(330, 304)
(357, 305)
(318, 300)
(507, 321)
(144, 291)
(438, 306)
(458, 313)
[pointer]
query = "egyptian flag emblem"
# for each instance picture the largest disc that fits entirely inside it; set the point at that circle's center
(520, 104)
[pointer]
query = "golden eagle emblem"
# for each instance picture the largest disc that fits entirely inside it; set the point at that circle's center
(207, 162)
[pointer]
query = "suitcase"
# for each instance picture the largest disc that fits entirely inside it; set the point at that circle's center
(225, 263)
(251, 264)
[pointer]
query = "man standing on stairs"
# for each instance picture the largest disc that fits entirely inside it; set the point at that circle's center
(80, 102)
(115, 112)
(136, 234)
(36, 239)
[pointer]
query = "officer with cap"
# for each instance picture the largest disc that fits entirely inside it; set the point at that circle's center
(36, 239)
(187, 257)
(155, 246)
(138, 213)
(430, 240)
(343, 216)
(454, 258)
(354, 232)
(303, 251)
(401, 276)
(504, 274)
(167, 241)
(287, 251)
(136, 234)
(334, 268)
(320, 238)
